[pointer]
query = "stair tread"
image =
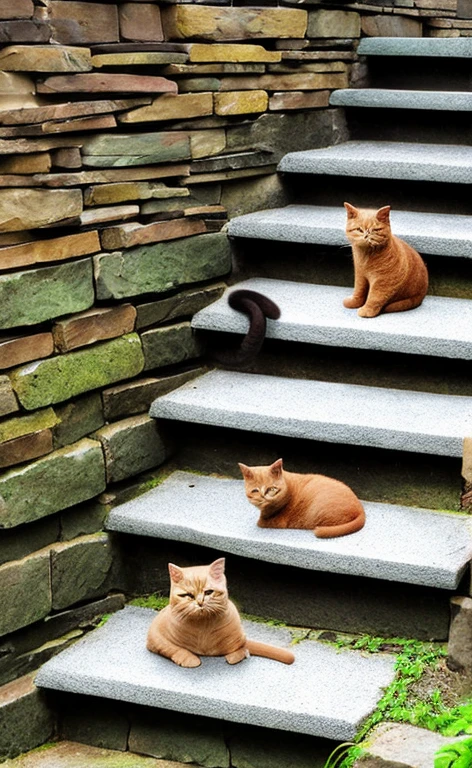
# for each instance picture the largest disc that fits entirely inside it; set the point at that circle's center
(386, 98)
(435, 550)
(314, 314)
(416, 46)
(324, 693)
(448, 163)
(317, 410)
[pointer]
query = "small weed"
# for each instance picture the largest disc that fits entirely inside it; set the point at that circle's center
(458, 755)
(103, 620)
(157, 602)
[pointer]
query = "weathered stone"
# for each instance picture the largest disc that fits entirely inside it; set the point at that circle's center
(25, 719)
(60, 480)
(105, 83)
(45, 58)
(298, 100)
(95, 216)
(66, 111)
(207, 143)
(22, 349)
(105, 194)
(206, 178)
(464, 11)
(82, 23)
(267, 748)
(253, 195)
(16, 543)
(60, 378)
(29, 662)
(392, 744)
(391, 26)
(28, 146)
(55, 249)
(68, 754)
(170, 107)
(24, 31)
(94, 325)
(137, 58)
(16, 91)
(84, 519)
(77, 418)
(30, 208)
(109, 175)
(30, 577)
(25, 425)
(137, 396)
(160, 268)
(213, 69)
(34, 163)
(8, 401)
(46, 293)
(91, 723)
(79, 569)
(131, 446)
(459, 648)
(169, 345)
(198, 84)
(211, 23)
(140, 22)
(331, 23)
(232, 52)
(183, 304)
(241, 102)
(25, 448)
(67, 158)
(128, 235)
(144, 148)
(99, 123)
(235, 160)
(186, 206)
(307, 81)
(22, 9)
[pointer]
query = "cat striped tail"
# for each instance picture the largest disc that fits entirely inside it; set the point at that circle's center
(258, 307)
(270, 652)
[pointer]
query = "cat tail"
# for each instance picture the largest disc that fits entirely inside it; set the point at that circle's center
(330, 531)
(270, 652)
(258, 307)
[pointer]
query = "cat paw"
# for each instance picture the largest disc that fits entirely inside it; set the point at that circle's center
(237, 656)
(352, 303)
(185, 659)
(368, 312)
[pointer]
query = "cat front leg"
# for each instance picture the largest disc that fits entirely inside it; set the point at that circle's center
(156, 643)
(236, 656)
(361, 289)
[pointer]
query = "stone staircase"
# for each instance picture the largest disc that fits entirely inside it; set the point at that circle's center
(396, 575)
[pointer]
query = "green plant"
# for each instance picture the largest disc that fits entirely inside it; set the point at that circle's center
(157, 602)
(343, 752)
(458, 755)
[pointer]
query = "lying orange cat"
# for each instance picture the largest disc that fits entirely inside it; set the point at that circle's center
(291, 500)
(389, 275)
(201, 620)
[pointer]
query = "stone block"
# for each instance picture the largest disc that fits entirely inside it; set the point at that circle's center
(137, 396)
(94, 325)
(61, 378)
(197, 84)
(118, 192)
(45, 58)
(391, 26)
(84, 519)
(53, 249)
(182, 304)
(17, 91)
(219, 24)
(67, 754)
(33, 163)
(170, 345)
(26, 425)
(119, 150)
(306, 81)
(77, 418)
(24, 31)
(138, 59)
(252, 195)
(400, 744)
(8, 401)
(131, 446)
(129, 235)
(114, 174)
(22, 9)
(141, 21)
(67, 158)
(161, 267)
(95, 82)
(25, 448)
(331, 23)
(21, 349)
(31, 208)
(58, 481)
(207, 143)
(25, 719)
(102, 724)
(464, 9)
(79, 569)
(459, 649)
(82, 23)
(269, 748)
(16, 543)
(172, 107)
(240, 102)
(46, 293)
(95, 216)
(279, 102)
(232, 52)
(25, 591)
(48, 112)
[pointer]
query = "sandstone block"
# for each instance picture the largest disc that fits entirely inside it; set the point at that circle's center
(198, 84)
(79, 569)
(17, 91)
(170, 107)
(77, 418)
(46, 293)
(105, 194)
(239, 173)
(232, 52)
(331, 23)
(459, 648)
(25, 425)
(141, 21)
(60, 378)
(105, 83)
(138, 58)
(391, 26)
(307, 81)
(169, 345)
(25, 591)
(191, 70)
(82, 23)
(182, 304)
(96, 216)
(78, 124)
(8, 401)
(94, 325)
(24, 31)
(25, 719)
(241, 102)
(67, 158)
(31, 208)
(207, 143)
(464, 11)
(25, 448)
(129, 235)
(298, 100)
(22, 349)
(54, 249)
(41, 114)
(33, 163)
(22, 9)
(45, 58)
(113, 174)
(137, 396)
(160, 268)
(163, 147)
(131, 446)
(219, 24)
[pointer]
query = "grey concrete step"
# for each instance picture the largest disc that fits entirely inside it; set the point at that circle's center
(326, 692)
(416, 46)
(385, 160)
(436, 547)
(385, 98)
(314, 314)
(419, 422)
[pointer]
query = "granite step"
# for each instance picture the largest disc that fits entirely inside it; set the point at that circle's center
(416, 46)
(326, 692)
(436, 547)
(390, 98)
(417, 422)
(446, 163)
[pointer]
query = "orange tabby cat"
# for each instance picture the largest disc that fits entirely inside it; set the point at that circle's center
(389, 275)
(290, 500)
(201, 620)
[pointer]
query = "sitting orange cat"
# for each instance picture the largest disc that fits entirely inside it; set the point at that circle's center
(291, 500)
(201, 620)
(389, 275)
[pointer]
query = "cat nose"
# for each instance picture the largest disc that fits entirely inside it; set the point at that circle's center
(200, 599)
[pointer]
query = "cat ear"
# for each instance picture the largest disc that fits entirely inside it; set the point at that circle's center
(246, 471)
(217, 568)
(175, 572)
(276, 468)
(383, 213)
(351, 211)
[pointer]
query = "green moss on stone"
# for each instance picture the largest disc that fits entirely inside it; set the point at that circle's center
(26, 425)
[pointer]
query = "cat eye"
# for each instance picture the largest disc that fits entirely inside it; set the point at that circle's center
(255, 490)
(187, 594)
(208, 591)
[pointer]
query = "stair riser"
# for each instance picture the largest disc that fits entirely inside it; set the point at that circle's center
(431, 126)
(417, 73)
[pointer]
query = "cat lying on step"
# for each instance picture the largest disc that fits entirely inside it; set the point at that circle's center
(291, 500)
(389, 275)
(201, 620)
(258, 307)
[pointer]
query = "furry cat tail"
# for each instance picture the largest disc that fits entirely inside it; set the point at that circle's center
(258, 307)
(328, 531)
(270, 652)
